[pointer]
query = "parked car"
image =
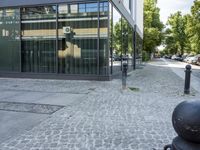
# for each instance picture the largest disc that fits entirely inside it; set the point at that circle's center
(179, 58)
(195, 59)
(116, 57)
(112, 58)
(191, 59)
(174, 57)
(167, 57)
(125, 57)
(198, 61)
(188, 58)
(184, 57)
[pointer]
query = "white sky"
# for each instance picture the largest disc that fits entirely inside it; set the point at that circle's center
(171, 6)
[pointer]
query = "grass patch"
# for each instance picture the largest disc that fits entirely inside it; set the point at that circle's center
(134, 89)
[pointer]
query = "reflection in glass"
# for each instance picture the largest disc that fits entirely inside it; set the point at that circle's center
(122, 42)
(130, 48)
(10, 40)
(92, 7)
(103, 6)
(127, 46)
(77, 40)
(39, 39)
(103, 41)
(74, 8)
(111, 58)
(63, 9)
(139, 44)
(116, 41)
(64, 38)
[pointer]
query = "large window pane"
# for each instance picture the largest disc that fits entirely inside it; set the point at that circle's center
(117, 41)
(74, 8)
(111, 58)
(130, 52)
(127, 46)
(138, 49)
(10, 40)
(39, 39)
(104, 39)
(77, 40)
(121, 38)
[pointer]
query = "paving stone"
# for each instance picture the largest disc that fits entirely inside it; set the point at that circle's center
(107, 118)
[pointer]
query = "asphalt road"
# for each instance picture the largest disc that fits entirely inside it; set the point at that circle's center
(179, 67)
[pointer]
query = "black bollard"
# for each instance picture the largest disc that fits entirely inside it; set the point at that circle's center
(186, 122)
(187, 79)
(124, 75)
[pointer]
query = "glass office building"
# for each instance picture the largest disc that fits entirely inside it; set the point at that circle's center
(66, 39)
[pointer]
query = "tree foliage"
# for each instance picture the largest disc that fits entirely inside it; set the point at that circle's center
(152, 26)
(183, 32)
(176, 36)
(123, 36)
(193, 27)
(170, 43)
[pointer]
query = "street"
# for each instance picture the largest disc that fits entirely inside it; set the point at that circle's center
(179, 67)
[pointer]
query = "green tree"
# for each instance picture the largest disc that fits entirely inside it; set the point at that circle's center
(183, 34)
(152, 26)
(170, 42)
(123, 36)
(188, 44)
(177, 26)
(193, 27)
(117, 37)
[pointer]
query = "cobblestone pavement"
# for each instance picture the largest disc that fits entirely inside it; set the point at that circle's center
(108, 118)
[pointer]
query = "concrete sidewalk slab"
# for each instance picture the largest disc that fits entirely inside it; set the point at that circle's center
(13, 123)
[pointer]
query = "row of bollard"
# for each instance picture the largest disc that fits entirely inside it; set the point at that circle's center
(186, 121)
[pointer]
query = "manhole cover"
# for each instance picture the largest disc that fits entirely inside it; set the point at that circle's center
(29, 107)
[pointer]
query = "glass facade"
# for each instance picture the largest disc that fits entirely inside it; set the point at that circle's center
(82, 38)
(10, 40)
(139, 44)
(90, 38)
(104, 38)
(121, 36)
(39, 39)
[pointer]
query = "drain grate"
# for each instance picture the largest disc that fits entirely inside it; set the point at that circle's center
(29, 107)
